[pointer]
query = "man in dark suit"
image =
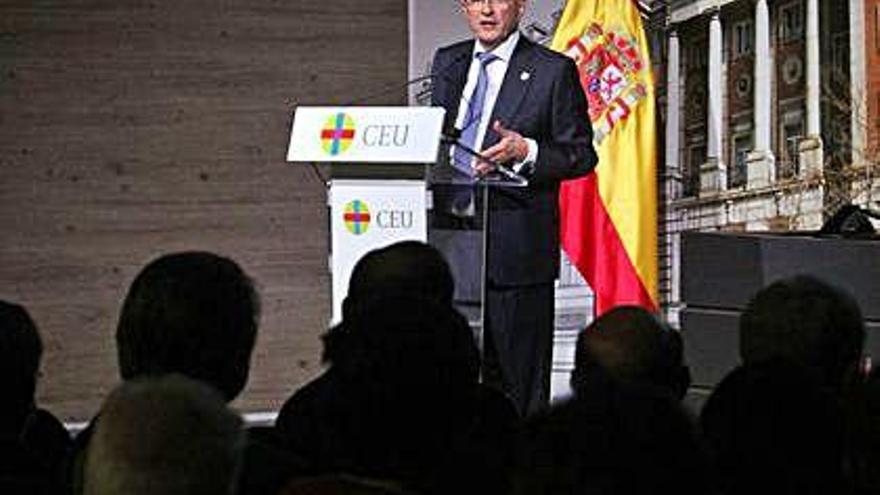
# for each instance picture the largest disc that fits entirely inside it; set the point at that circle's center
(520, 105)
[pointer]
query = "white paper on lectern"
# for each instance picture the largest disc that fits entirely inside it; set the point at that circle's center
(366, 134)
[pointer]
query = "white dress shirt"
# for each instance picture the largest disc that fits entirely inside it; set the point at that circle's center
(495, 72)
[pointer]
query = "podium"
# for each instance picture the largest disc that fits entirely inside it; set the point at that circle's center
(462, 233)
(377, 193)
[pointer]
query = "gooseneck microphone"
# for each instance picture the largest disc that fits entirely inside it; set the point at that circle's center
(395, 88)
(452, 139)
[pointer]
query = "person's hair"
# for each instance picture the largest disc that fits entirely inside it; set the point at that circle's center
(805, 320)
(404, 268)
(193, 313)
(164, 436)
(20, 352)
(632, 345)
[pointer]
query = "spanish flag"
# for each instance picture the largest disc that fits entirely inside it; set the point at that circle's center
(609, 218)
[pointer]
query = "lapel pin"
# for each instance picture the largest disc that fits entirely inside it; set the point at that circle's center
(524, 76)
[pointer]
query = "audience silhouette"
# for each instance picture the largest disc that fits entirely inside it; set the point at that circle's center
(400, 408)
(401, 399)
(772, 427)
(631, 345)
(169, 435)
(808, 321)
(33, 444)
(786, 420)
(863, 413)
(405, 267)
(193, 313)
(196, 314)
(612, 437)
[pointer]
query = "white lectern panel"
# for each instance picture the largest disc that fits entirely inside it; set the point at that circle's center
(368, 214)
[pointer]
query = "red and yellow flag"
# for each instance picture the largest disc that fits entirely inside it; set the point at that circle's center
(609, 218)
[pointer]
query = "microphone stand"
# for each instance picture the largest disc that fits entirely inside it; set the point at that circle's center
(515, 179)
(508, 178)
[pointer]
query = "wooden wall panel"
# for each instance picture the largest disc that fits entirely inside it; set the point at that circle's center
(134, 128)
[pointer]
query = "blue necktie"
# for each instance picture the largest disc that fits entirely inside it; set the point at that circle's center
(461, 159)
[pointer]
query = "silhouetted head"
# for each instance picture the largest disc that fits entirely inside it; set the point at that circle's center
(192, 313)
(409, 378)
(632, 345)
(164, 436)
(20, 353)
(805, 320)
(407, 268)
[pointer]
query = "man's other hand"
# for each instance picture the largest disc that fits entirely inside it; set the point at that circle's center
(511, 148)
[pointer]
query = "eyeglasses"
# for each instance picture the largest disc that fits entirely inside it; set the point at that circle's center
(474, 4)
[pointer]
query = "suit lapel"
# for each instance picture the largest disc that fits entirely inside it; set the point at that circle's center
(458, 78)
(514, 88)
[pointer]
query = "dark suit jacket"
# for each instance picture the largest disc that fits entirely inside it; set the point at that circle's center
(541, 98)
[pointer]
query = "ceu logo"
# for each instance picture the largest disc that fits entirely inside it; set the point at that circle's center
(337, 134)
(356, 217)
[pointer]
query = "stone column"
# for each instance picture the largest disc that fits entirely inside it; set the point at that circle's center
(810, 148)
(761, 166)
(673, 113)
(858, 81)
(713, 174)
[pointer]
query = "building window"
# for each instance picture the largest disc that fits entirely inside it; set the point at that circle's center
(877, 28)
(743, 38)
(840, 56)
(792, 133)
(791, 22)
(696, 158)
(737, 174)
(876, 112)
(696, 54)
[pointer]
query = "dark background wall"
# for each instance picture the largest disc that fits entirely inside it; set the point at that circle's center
(134, 128)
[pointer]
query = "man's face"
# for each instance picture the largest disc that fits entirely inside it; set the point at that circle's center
(492, 20)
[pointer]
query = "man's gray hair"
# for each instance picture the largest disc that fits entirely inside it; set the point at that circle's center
(164, 436)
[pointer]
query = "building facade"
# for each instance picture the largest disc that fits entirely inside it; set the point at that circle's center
(769, 116)
(768, 120)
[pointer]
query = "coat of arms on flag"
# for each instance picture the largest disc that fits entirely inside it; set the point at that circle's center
(610, 66)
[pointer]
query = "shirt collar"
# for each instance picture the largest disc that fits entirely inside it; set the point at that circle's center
(504, 51)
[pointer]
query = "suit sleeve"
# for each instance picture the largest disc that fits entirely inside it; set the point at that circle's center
(440, 86)
(566, 150)
(437, 65)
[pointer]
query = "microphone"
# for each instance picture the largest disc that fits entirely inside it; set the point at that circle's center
(451, 139)
(388, 90)
(394, 88)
